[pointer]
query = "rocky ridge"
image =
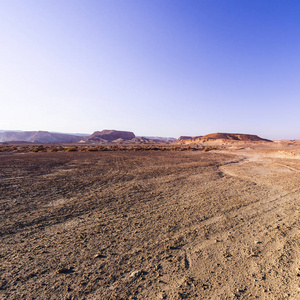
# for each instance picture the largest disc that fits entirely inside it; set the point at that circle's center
(224, 137)
(38, 137)
(106, 136)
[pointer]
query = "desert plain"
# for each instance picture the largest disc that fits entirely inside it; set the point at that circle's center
(218, 224)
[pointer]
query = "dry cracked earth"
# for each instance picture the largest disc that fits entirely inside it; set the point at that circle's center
(150, 225)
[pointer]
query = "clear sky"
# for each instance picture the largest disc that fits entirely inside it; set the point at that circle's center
(154, 67)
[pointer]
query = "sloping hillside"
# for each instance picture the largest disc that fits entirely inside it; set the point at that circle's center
(223, 137)
(109, 136)
(39, 137)
(234, 136)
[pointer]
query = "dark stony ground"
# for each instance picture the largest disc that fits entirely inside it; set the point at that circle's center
(149, 225)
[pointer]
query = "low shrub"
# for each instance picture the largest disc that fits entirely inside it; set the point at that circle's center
(71, 149)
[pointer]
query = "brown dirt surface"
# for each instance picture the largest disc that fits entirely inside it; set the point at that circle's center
(150, 225)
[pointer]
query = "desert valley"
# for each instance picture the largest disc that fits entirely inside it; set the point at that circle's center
(149, 150)
(213, 217)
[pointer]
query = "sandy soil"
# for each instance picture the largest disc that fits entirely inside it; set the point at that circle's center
(150, 225)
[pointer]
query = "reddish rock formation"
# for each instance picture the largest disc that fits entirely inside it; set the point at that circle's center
(234, 136)
(224, 137)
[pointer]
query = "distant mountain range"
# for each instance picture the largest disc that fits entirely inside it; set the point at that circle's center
(184, 137)
(117, 137)
(38, 137)
(160, 138)
(98, 137)
(123, 137)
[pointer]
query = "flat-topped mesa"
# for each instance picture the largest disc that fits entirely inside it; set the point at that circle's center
(234, 137)
(109, 136)
(224, 137)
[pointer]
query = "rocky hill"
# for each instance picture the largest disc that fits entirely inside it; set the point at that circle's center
(223, 137)
(234, 137)
(108, 136)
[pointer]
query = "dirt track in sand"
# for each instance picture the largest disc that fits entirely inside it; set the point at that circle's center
(150, 225)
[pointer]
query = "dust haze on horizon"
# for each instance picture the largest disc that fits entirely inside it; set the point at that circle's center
(157, 68)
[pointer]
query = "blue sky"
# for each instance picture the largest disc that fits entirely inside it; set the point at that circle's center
(154, 67)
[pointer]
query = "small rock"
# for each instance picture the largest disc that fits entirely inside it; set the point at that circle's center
(162, 295)
(99, 255)
(136, 274)
(227, 254)
(64, 271)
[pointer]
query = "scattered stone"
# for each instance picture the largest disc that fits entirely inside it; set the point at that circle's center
(227, 254)
(161, 281)
(254, 252)
(136, 273)
(64, 270)
(99, 255)
(162, 295)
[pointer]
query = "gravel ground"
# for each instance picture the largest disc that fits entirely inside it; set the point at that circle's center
(150, 225)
